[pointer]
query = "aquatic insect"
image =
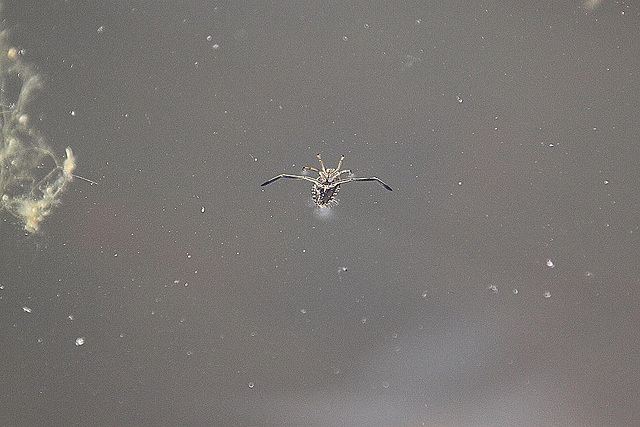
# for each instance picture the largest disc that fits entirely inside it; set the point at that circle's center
(328, 182)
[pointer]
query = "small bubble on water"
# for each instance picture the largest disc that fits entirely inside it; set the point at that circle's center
(547, 294)
(80, 341)
(550, 263)
(251, 384)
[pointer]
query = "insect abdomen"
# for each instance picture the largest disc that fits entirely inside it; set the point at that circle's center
(324, 196)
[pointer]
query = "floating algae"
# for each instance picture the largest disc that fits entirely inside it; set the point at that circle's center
(32, 178)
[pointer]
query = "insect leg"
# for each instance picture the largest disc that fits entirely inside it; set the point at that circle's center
(321, 164)
(283, 175)
(373, 178)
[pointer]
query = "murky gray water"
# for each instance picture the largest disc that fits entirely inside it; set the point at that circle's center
(497, 284)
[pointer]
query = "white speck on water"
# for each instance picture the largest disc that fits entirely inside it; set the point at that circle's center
(251, 384)
(547, 294)
(26, 309)
(80, 341)
(550, 263)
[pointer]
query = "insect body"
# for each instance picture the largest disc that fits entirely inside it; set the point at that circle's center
(328, 182)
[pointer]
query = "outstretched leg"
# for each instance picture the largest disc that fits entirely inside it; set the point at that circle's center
(275, 178)
(373, 178)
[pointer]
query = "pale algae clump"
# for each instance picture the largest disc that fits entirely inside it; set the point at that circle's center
(32, 178)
